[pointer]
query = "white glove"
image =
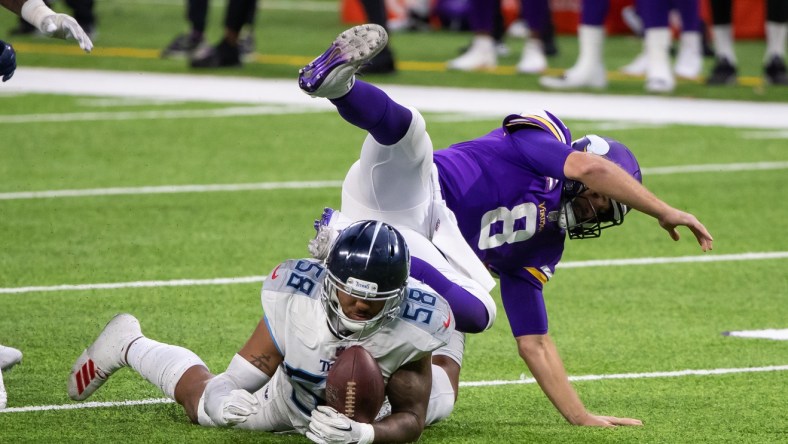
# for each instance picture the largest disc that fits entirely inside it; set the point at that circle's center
(233, 408)
(63, 26)
(328, 426)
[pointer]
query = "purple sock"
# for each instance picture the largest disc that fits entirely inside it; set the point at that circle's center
(536, 14)
(654, 13)
(369, 108)
(594, 12)
(481, 16)
(470, 314)
(690, 14)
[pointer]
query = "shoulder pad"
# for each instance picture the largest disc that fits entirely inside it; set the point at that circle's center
(542, 120)
(428, 311)
(296, 276)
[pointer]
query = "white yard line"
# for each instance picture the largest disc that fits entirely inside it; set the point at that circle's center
(498, 103)
(668, 374)
(673, 374)
(167, 189)
(251, 279)
(156, 114)
(170, 189)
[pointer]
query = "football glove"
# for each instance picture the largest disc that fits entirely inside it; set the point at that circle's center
(63, 26)
(7, 60)
(233, 408)
(328, 426)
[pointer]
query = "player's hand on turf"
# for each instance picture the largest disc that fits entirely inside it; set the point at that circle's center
(63, 26)
(234, 408)
(676, 218)
(7, 61)
(328, 426)
(608, 421)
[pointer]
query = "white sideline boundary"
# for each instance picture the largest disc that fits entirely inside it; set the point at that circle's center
(254, 279)
(581, 378)
(495, 103)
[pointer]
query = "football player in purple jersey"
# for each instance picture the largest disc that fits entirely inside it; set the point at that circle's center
(503, 202)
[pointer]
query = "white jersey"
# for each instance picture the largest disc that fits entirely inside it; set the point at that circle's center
(298, 325)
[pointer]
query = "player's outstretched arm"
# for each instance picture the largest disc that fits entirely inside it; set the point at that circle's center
(52, 24)
(229, 398)
(605, 177)
(541, 357)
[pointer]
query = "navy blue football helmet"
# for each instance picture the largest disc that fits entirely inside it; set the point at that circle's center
(591, 226)
(369, 260)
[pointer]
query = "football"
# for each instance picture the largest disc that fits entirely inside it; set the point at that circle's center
(355, 385)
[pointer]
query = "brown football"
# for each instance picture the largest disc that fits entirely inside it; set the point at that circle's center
(355, 385)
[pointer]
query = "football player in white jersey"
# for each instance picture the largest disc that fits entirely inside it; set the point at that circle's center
(360, 295)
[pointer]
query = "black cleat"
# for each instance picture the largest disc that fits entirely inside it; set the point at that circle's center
(182, 46)
(723, 73)
(775, 72)
(223, 55)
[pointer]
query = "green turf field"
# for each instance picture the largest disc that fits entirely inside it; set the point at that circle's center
(636, 320)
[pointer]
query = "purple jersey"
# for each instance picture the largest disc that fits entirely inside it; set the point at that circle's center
(503, 188)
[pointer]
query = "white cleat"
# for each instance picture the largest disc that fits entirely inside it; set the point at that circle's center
(106, 355)
(660, 84)
(481, 55)
(689, 61)
(595, 78)
(9, 357)
(327, 228)
(636, 67)
(332, 74)
(533, 59)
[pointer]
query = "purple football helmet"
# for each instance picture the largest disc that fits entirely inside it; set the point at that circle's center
(591, 226)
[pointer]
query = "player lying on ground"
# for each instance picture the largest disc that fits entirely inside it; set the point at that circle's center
(514, 193)
(360, 295)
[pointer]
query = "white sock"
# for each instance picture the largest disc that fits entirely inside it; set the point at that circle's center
(441, 397)
(775, 40)
(657, 44)
(592, 43)
(162, 365)
(723, 42)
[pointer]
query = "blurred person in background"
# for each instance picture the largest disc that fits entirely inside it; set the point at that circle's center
(725, 71)
(484, 48)
(228, 52)
(589, 68)
(383, 63)
(188, 44)
(654, 61)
